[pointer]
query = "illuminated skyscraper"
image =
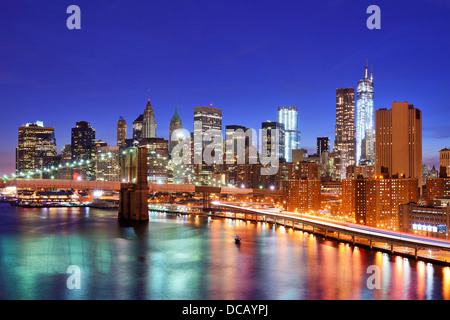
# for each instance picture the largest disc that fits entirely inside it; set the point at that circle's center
(121, 132)
(206, 118)
(322, 145)
(267, 140)
(137, 128)
(344, 141)
(149, 123)
(288, 116)
(83, 151)
(365, 120)
(107, 163)
(36, 147)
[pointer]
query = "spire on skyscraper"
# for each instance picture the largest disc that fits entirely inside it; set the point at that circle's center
(175, 115)
(365, 69)
(149, 123)
(371, 71)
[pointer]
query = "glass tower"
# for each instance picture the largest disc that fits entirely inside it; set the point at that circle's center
(365, 126)
(288, 117)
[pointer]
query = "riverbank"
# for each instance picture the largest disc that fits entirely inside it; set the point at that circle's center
(437, 257)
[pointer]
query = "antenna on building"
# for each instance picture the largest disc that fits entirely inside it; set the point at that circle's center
(365, 70)
(371, 71)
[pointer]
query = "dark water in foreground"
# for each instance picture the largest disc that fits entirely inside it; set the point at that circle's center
(192, 258)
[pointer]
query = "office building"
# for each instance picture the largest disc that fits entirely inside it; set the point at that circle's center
(107, 163)
(206, 120)
(444, 162)
(344, 140)
(175, 124)
(121, 132)
(83, 151)
(322, 145)
(36, 148)
(398, 136)
(157, 159)
(148, 122)
(65, 172)
(365, 140)
(429, 220)
(137, 127)
(268, 139)
(288, 117)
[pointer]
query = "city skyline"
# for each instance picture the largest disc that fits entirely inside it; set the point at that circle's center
(100, 97)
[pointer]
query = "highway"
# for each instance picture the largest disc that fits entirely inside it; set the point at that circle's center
(370, 233)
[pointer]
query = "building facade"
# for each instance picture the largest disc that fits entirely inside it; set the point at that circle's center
(148, 122)
(302, 195)
(444, 162)
(344, 141)
(36, 148)
(107, 163)
(83, 151)
(121, 132)
(323, 145)
(137, 127)
(375, 202)
(365, 140)
(268, 139)
(288, 116)
(430, 220)
(398, 137)
(175, 124)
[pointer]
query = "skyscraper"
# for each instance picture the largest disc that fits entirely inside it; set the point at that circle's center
(149, 123)
(322, 145)
(288, 116)
(398, 137)
(365, 140)
(269, 126)
(121, 132)
(344, 140)
(107, 163)
(137, 127)
(36, 147)
(175, 123)
(83, 151)
(206, 118)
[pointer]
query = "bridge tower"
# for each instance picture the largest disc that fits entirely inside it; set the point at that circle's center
(133, 203)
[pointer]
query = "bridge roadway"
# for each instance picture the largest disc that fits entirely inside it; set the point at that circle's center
(115, 186)
(355, 230)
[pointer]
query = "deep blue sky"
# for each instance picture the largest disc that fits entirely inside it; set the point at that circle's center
(246, 57)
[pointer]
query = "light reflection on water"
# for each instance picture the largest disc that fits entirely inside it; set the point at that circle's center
(192, 257)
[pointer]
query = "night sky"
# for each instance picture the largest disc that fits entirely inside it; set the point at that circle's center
(245, 57)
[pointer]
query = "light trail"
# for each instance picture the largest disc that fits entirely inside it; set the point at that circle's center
(370, 232)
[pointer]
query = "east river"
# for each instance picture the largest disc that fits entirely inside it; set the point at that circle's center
(193, 258)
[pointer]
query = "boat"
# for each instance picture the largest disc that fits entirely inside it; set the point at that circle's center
(237, 240)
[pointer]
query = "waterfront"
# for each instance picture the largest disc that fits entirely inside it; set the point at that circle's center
(192, 258)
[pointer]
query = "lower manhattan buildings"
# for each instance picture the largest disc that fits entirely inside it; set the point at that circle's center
(398, 141)
(288, 117)
(344, 141)
(36, 147)
(365, 151)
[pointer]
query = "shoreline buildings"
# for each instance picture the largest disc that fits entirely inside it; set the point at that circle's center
(36, 147)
